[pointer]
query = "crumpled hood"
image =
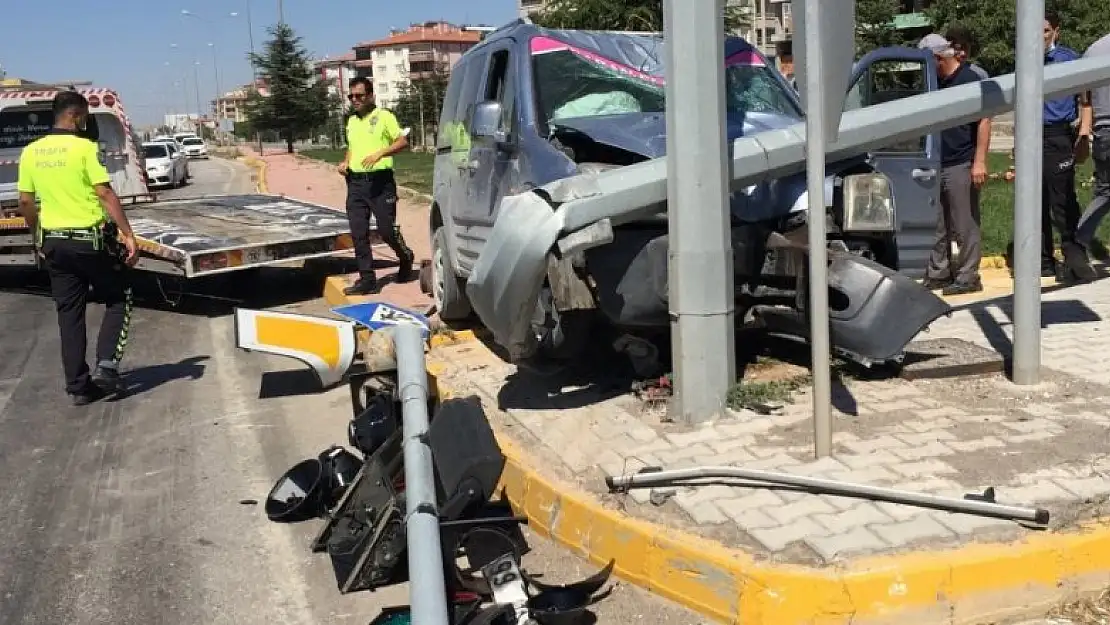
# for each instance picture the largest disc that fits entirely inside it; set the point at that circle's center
(646, 134)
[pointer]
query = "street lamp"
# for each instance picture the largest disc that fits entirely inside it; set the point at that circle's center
(216, 77)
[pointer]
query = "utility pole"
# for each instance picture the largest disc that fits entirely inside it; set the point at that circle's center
(281, 12)
(1028, 143)
(702, 304)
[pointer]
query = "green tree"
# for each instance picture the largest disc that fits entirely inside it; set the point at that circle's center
(993, 26)
(875, 25)
(297, 103)
(420, 103)
(635, 15)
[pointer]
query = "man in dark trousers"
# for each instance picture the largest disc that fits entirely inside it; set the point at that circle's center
(373, 137)
(78, 244)
(963, 156)
(1062, 146)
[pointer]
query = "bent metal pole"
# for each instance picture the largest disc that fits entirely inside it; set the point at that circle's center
(1038, 516)
(427, 587)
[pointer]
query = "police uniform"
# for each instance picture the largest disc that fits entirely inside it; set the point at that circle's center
(1059, 205)
(62, 169)
(373, 191)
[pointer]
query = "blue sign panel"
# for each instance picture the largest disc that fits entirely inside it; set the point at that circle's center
(378, 315)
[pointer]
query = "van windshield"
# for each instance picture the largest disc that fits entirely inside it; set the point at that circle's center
(574, 83)
(20, 126)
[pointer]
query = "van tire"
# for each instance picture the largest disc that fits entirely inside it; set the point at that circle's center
(448, 291)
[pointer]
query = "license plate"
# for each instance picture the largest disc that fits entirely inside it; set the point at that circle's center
(505, 582)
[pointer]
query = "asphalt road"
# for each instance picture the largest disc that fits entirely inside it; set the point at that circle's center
(212, 176)
(139, 512)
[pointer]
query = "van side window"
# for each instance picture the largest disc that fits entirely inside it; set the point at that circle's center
(468, 97)
(499, 87)
(450, 103)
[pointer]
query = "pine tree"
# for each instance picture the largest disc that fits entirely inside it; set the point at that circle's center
(298, 102)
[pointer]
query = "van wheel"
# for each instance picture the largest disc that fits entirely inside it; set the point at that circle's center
(448, 291)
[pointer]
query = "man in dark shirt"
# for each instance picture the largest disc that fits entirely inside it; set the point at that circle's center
(963, 156)
(1062, 146)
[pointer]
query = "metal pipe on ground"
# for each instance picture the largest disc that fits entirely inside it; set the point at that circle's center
(427, 587)
(1037, 516)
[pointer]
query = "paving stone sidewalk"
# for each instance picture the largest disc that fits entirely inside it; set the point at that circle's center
(1047, 445)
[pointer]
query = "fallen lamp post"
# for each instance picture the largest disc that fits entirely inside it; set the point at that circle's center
(982, 505)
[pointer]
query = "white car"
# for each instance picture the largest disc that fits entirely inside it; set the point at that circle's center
(176, 152)
(162, 168)
(194, 147)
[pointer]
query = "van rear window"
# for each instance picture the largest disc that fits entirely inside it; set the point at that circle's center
(19, 127)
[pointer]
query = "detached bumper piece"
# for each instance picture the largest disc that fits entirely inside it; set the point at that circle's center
(874, 312)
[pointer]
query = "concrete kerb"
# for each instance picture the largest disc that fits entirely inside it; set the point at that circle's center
(259, 166)
(975, 583)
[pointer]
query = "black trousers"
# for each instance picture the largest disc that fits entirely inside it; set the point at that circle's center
(1059, 204)
(74, 267)
(374, 194)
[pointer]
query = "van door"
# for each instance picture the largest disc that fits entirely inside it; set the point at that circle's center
(913, 166)
(490, 167)
(462, 141)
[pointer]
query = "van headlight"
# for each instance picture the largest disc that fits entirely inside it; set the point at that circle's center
(868, 203)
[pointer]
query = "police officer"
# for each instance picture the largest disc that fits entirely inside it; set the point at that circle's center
(1062, 145)
(373, 137)
(64, 171)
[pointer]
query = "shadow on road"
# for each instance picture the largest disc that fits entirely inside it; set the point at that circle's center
(145, 379)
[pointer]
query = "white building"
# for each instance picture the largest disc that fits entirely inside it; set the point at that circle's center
(393, 62)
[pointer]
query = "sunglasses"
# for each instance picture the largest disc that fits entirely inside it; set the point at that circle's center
(357, 96)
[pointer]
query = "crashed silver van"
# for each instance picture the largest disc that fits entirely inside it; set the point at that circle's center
(533, 115)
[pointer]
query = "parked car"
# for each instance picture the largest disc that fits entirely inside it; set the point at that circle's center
(512, 123)
(162, 167)
(194, 147)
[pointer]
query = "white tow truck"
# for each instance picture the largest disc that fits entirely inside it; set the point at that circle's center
(180, 238)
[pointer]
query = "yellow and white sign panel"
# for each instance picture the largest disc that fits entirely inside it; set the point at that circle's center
(328, 346)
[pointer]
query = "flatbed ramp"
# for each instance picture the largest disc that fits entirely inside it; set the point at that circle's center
(211, 235)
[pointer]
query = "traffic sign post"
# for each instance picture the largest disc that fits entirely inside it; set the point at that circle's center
(1028, 145)
(828, 43)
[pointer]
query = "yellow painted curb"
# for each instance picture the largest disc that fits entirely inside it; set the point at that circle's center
(259, 165)
(969, 584)
(993, 262)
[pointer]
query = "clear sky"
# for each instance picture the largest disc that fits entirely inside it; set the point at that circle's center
(146, 49)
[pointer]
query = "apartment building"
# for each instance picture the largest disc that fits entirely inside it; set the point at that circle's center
(393, 62)
(232, 105)
(337, 72)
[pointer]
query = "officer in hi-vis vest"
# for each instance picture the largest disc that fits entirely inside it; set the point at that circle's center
(85, 240)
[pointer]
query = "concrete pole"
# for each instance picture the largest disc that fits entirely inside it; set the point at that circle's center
(818, 257)
(427, 587)
(700, 268)
(1028, 144)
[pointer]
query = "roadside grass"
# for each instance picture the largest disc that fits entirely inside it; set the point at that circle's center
(412, 169)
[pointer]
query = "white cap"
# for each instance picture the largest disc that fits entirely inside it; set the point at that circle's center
(938, 45)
